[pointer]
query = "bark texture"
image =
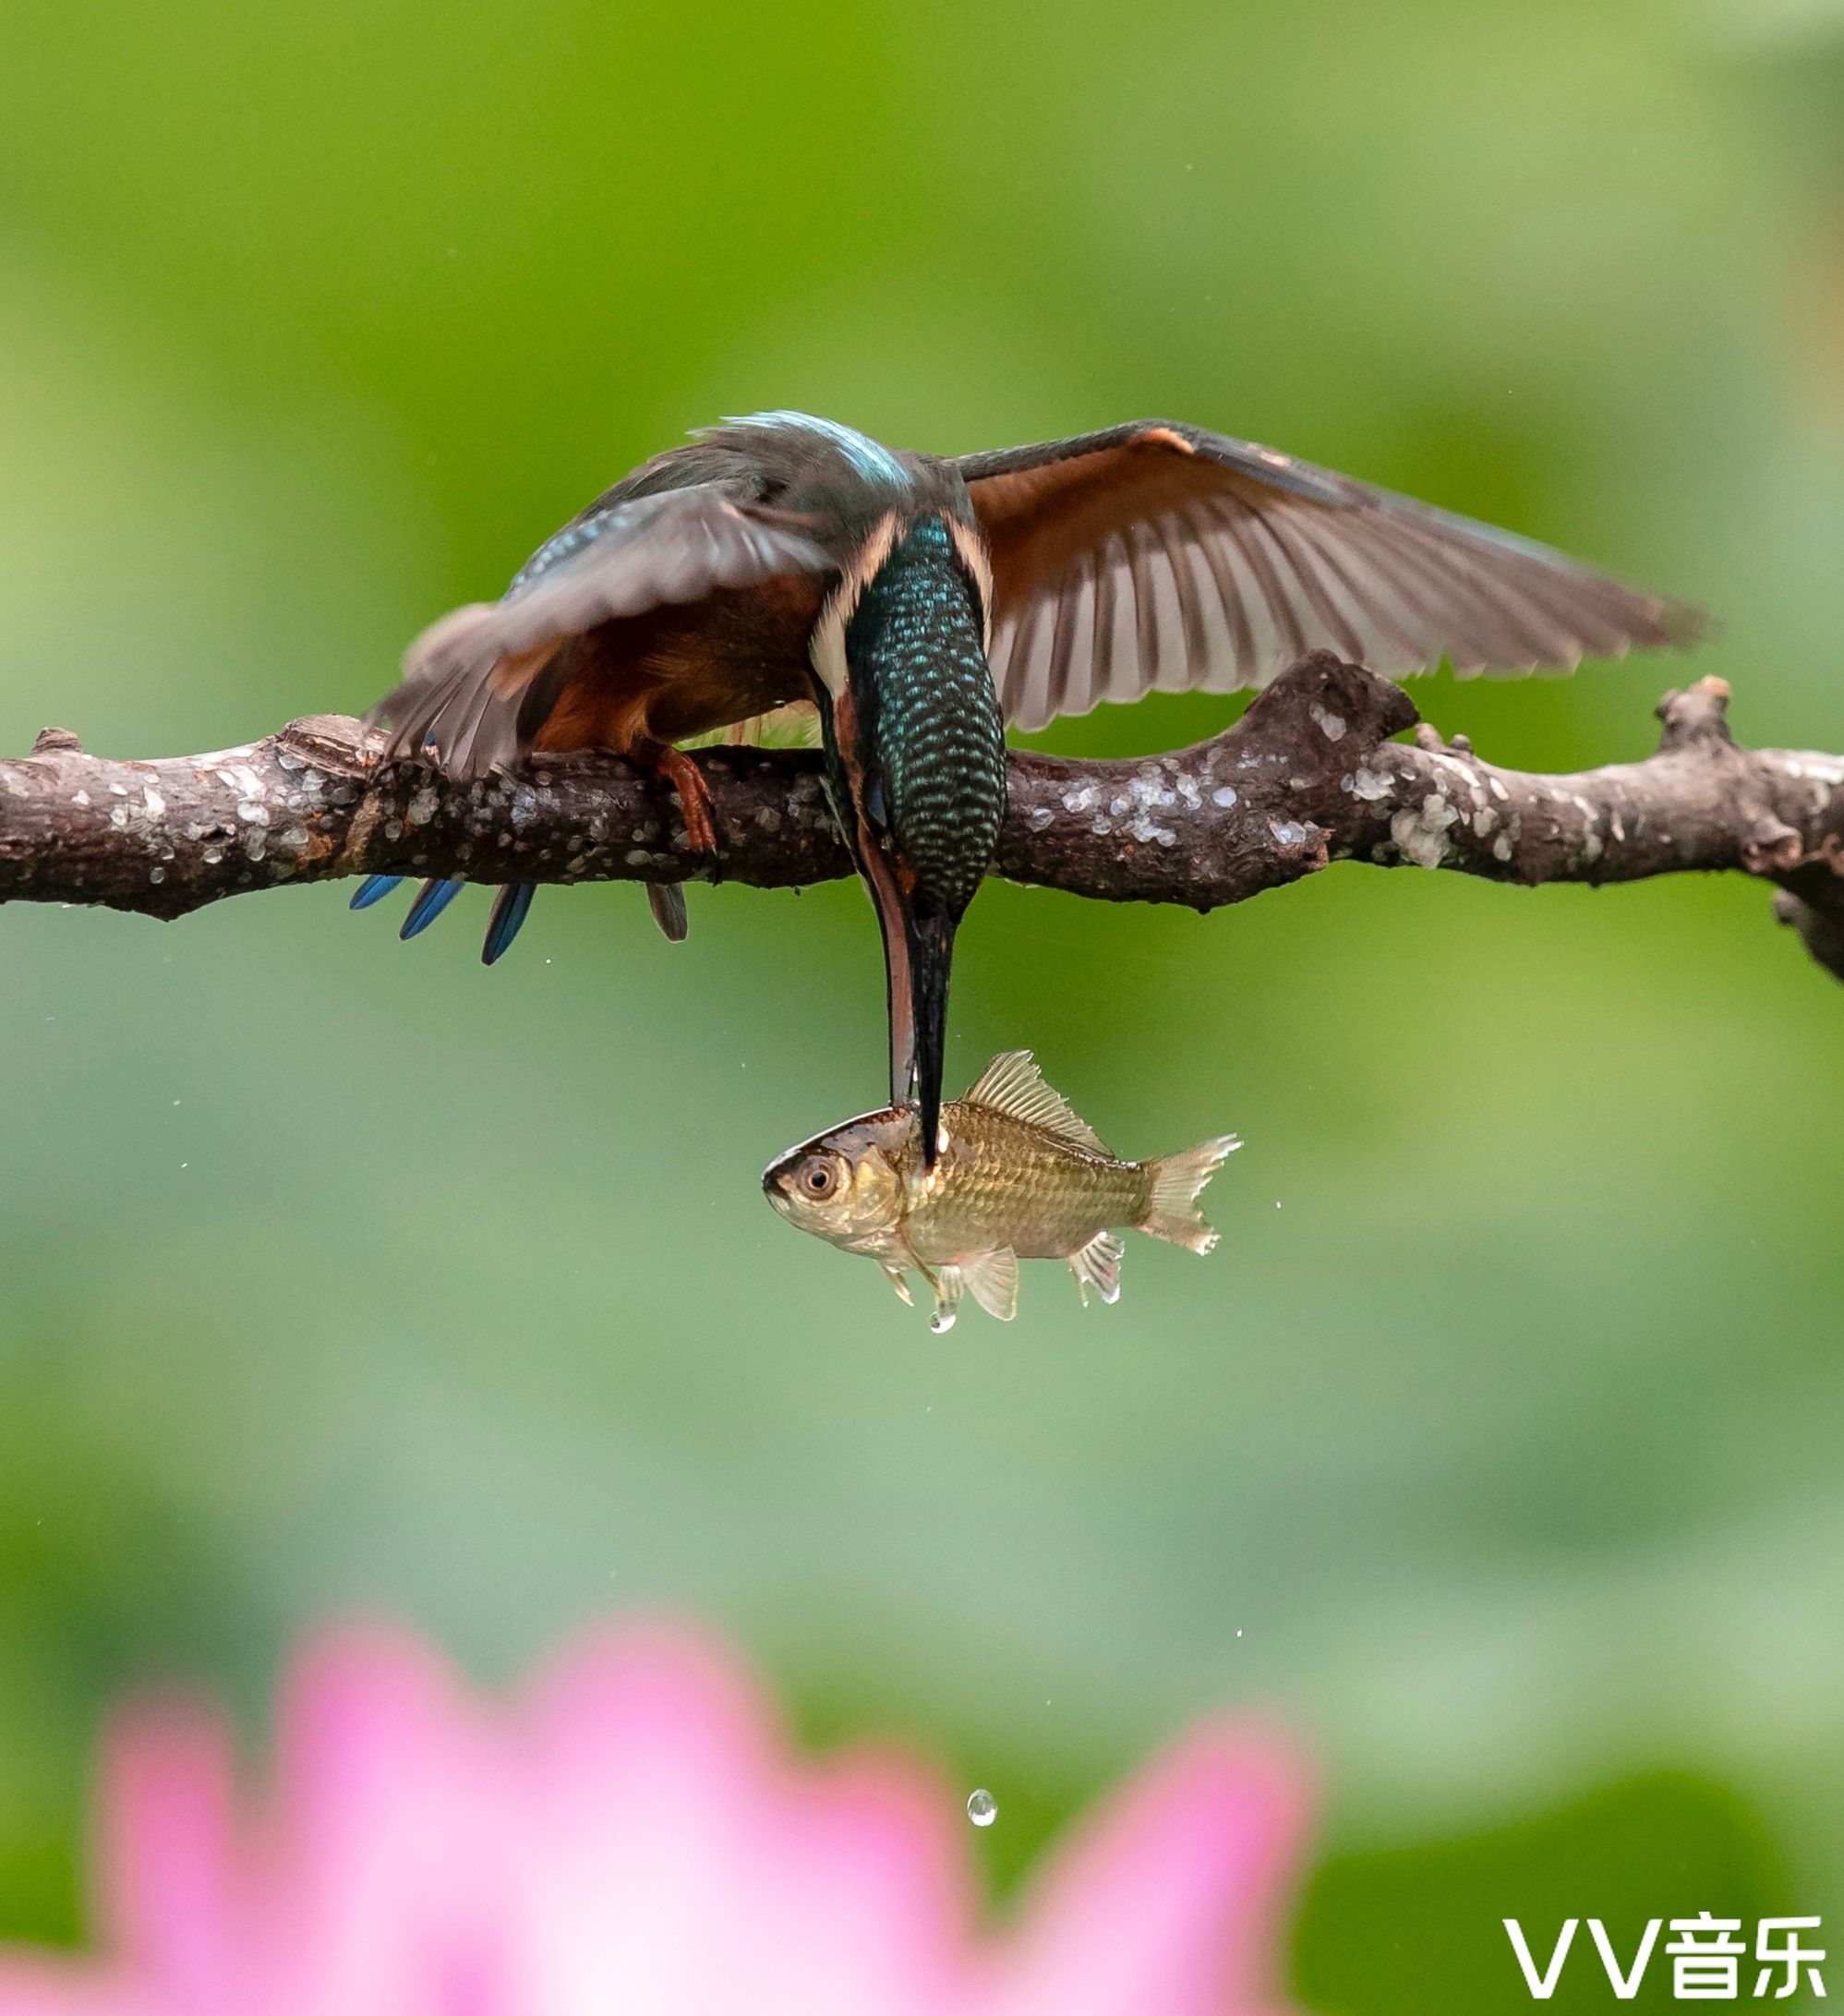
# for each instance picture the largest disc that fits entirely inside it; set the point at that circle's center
(1310, 775)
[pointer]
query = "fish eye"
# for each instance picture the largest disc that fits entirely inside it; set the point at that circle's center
(816, 1178)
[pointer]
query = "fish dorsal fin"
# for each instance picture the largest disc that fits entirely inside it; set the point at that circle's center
(991, 1279)
(1012, 1085)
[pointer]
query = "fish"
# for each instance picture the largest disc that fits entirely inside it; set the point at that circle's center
(1018, 1175)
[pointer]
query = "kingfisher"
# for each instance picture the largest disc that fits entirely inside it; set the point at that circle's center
(923, 603)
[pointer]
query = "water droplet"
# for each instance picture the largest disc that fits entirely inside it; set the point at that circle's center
(942, 1319)
(982, 1809)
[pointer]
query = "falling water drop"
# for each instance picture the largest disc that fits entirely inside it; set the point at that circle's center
(982, 1809)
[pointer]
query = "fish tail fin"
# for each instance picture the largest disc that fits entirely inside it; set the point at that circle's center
(1178, 1182)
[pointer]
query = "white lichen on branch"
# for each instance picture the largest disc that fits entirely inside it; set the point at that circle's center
(1313, 773)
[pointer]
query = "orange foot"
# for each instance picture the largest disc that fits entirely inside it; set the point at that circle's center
(687, 780)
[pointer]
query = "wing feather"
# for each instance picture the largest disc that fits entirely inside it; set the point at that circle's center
(1265, 555)
(1384, 626)
(1123, 685)
(469, 680)
(1444, 596)
(1240, 669)
(1024, 653)
(1307, 586)
(1108, 614)
(1160, 555)
(1271, 644)
(1067, 627)
(1176, 555)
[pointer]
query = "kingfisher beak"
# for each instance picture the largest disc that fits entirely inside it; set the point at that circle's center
(918, 949)
(915, 750)
(931, 948)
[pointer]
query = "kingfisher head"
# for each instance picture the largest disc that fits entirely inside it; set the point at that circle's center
(914, 738)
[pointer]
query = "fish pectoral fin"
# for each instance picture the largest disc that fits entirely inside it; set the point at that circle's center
(898, 1281)
(1097, 1265)
(991, 1279)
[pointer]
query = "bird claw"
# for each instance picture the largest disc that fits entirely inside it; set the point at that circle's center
(695, 794)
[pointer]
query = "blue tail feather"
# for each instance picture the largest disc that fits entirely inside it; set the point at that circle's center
(509, 913)
(373, 889)
(432, 899)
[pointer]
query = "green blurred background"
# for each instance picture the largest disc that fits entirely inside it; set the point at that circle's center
(1497, 1448)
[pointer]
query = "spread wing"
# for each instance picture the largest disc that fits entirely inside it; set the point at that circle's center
(472, 681)
(1160, 555)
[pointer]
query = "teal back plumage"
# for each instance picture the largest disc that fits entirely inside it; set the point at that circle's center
(929, 719)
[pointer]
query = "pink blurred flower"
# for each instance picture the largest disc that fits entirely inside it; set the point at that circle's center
(633, 1838)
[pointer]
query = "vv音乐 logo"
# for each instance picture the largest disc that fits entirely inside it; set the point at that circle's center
(1710, 1962)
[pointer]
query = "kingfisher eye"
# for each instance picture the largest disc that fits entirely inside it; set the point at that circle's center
(816, 1179)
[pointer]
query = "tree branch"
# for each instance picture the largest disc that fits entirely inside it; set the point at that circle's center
(1307, 775)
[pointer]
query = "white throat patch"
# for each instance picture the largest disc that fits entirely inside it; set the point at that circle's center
(827, 647)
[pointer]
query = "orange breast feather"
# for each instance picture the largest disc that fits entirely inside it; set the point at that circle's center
(681, 671)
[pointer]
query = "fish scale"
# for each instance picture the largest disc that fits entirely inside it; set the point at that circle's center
(1003, 1182)
(1019, 1177)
